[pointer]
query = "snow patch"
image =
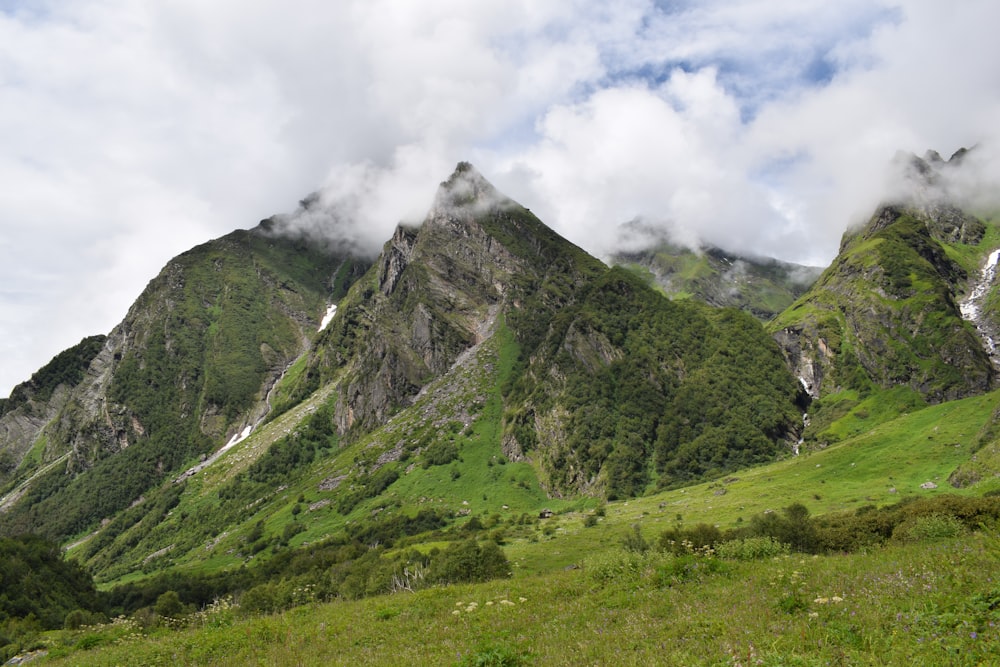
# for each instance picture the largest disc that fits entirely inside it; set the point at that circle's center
(331, 310)
(238, 438)
(970, 306)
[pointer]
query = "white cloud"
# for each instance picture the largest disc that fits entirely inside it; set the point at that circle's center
(133, 131)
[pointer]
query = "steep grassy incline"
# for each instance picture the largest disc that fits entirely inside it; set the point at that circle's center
(606, 604)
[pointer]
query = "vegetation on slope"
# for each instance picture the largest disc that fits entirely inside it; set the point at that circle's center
(66, 368)
(762, 287)
(843, 499)
(884, 316)
(196, 351)
(643, 388)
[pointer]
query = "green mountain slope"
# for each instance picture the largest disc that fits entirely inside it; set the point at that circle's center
(762, 287)
(191, 364)
(489, 401)
(886, 314)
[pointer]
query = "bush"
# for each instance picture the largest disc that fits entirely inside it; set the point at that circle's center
(440, 453)
(752, 548)
(623, 565)
(469, 562)
(927, 528)
(688, 540)
(634, 541)
(493, 656)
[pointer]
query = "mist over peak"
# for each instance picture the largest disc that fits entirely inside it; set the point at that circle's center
(967, 180)
(468, 190)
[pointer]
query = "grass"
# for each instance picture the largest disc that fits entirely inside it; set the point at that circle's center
(928, 603)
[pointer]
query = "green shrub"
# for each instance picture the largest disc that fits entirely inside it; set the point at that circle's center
(495, 655)
(623, 565)
(634, 541)
(469, 561)
(440, 453)
(752, 548)
(928, 528)
(689, 567)
(688, 540)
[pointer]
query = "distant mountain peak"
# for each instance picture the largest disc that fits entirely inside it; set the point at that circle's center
(467, 188)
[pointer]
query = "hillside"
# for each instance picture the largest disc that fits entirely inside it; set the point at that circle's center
(762, 287)
(888, 315)
(192, 364)
(603, 603)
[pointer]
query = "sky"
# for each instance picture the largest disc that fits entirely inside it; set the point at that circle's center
(134, 131)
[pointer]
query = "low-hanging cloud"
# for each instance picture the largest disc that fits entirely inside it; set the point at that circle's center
(136, 130)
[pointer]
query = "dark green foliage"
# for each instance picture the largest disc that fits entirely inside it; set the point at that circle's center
(353, 564)
(792, 527)
(469, 561)
(440, 453)
(37, 583)
(387, 531)
(370, 487)
(649, 384)
(169, 605)
(681, 540)
(870, 526)
(634, 541)
(139, 520)
(66, 368)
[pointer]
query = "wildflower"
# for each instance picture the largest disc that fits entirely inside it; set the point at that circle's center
(523, 600)
(507, 602)
(973, 635)
(489, 603)
(456, 612)
(836, 599)
(814, 614)
(821, 600)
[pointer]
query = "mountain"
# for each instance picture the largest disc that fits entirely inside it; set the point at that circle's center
(888, 311)
(604, 363)
(763, 287)
(192, 363)
(585, 377)
(280, 420)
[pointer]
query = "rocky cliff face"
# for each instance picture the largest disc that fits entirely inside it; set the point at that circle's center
(430, 297)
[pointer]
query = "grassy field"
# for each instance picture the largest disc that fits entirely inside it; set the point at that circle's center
(576, 597)
(933, 603)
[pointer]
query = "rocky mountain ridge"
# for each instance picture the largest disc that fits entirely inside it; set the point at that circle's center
(607, 389)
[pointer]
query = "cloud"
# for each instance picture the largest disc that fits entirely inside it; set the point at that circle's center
(134, 131)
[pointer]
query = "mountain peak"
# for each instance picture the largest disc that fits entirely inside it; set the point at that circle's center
(466, 187)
